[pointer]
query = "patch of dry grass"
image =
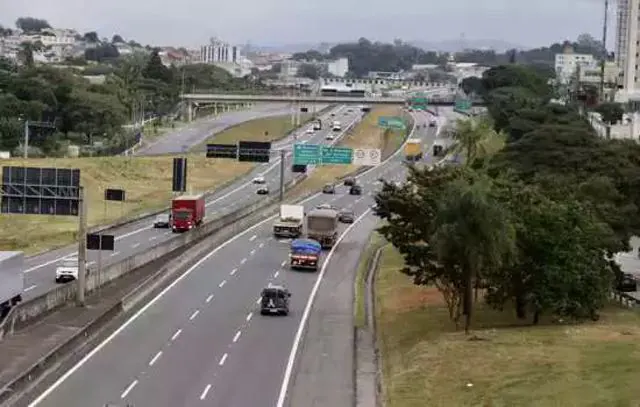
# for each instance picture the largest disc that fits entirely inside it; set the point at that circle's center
(262, 129)
(426, 362)
(146, 180)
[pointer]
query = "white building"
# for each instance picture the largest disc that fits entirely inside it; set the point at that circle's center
(627, 43)
(219, 51)
(568, 63)
(339, 67)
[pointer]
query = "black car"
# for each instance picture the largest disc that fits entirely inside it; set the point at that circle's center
(355, 190)
(627, 283)
(274, 299)
(346, 216)
(328, 189)
(263, 191)
(349, 181)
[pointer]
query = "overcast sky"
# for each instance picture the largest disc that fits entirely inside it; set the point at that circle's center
(192, 22)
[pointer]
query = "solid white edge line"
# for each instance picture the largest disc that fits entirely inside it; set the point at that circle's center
(307, 311)
(161, 294)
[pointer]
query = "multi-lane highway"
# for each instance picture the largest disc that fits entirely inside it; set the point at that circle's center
(138, 236)
(198, 132)
(201, 342)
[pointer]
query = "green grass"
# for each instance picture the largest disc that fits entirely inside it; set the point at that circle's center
(426, 362)
(375, 241)
(264, 129)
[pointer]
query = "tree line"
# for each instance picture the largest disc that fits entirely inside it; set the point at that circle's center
(366, 56)
(532, 218)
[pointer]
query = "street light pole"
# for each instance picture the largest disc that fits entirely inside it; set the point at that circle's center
(26, 139)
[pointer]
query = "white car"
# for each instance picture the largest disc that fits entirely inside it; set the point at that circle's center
(310, 130)
(67, 270)
(259, 180)
(329, 137)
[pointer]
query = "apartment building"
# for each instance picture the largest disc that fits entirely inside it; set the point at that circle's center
(568, 64)
(628, 44)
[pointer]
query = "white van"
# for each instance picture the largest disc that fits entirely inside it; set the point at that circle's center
(336, 126)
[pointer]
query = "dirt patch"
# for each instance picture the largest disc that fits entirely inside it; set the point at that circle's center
(426, 361)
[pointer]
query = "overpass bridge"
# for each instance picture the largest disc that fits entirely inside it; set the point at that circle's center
(194, 99)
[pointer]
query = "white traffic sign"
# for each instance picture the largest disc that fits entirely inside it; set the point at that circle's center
(366, 156)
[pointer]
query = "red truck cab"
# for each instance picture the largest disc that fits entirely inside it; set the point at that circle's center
(187, 212)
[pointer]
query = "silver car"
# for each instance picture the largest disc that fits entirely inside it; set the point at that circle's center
(162, 221)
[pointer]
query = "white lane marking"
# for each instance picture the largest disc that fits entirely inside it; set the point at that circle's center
(175, 335)
(239, 188)
(284, 263)
(307, 310)
(135, 245)
(261, 245)
(223, 359)
(115, 254)
(276, 274)
(249, 316)
(153, 238)
(243, 261)
(222, 283)
(128, 389)
(233, 271)
(31, 287)
(204, 392)
(175, 282)
(209, 298)
(194, 315)
(258, 300)
(252, 238)
(236, 337)
(155, 358)
(252, 252)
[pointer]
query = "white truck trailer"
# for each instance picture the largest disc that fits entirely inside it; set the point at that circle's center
(291, 221)
(11, 280)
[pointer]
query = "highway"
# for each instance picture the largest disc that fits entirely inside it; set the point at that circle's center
(198, 132)
(138, 236)
(202, 341)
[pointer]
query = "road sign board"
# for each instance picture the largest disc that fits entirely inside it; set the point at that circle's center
(391, 123)
(306, 154)
(336, 155)
(367, 156)
(463, 104)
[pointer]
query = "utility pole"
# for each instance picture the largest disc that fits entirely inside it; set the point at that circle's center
(604, 48)
(26, 139)
(282, 169)
(82, 249)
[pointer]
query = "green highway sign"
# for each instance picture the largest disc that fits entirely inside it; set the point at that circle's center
(391, 123)
(336, 155)
(419, 101)
(306, 154)
(462, 104)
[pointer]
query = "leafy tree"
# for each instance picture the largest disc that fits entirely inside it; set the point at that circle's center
(101, 53)
(503, 103)
(91, 37)
(516, 76)
(310, 71)
(117, 39)
(472, 85)
(611, 114)
(311, 55)
(27, 49)
(474, 139)
(5, 32)
(155, 69)
(31, 25)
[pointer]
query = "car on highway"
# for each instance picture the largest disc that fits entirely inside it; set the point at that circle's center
(330, 137)
(627, 283)
(259, 180)
(349, 181)
(274, 299)
(326, 206)
(346, 216)
(433, 123)
(333, 115)
(310, 130)
(262, 191)
(329, 189)
(162, 221)
(355, 190)
(67, 270)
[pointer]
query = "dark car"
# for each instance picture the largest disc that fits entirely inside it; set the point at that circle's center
(346, 216)
(274, 299)
(349, 181)
(263, 191)
(355, 190)
(627, 283)
(328, 189)
(162, 221)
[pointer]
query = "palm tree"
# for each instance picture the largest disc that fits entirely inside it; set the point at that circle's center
(472, 232)
(475, 138)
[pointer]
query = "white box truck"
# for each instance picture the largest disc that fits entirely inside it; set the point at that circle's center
(290, 222)
(11, 280)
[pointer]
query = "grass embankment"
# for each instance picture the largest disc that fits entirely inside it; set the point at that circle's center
(366, 134)
(427, 363)
(375, 241)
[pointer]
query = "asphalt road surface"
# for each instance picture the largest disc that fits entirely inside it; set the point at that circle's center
(203, 342)
(138, 236)
(199, 131)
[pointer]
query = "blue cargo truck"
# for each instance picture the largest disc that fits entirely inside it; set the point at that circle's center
(305, 254)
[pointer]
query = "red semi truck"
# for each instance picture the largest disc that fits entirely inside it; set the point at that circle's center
(187, 212)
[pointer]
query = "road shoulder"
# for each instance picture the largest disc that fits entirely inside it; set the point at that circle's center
(324, 374)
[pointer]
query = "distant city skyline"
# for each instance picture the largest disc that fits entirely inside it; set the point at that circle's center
(192, 22)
